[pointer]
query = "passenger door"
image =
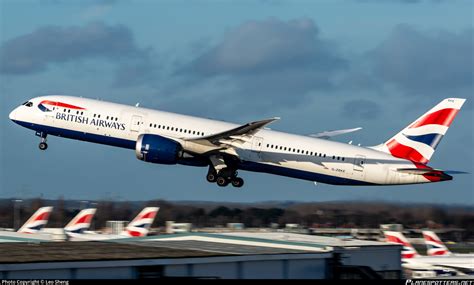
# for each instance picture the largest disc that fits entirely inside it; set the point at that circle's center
(257, 143)
(359, 167)
(135, 123)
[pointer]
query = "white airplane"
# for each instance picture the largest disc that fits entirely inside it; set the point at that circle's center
(138, 227)
(463, 264)
(169, 138)
(31, 229)
(436, 247)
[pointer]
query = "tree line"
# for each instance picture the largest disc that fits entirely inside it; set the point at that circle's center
(211, 214)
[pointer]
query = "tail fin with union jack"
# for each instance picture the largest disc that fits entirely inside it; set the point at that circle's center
(418, 141)
(434, 245)
(140, 226)
(408, 250)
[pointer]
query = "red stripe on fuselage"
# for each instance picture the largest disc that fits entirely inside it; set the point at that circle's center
(402, 151)
(441, 117)
(59, 104)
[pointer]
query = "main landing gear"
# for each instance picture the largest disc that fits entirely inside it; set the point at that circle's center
(225, 177)
(42, 145)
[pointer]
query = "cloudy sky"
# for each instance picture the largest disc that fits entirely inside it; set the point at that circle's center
(319, 65)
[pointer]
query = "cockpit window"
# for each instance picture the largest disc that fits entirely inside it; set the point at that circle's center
(28, 104)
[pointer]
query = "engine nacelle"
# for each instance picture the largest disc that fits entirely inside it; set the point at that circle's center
(157, 149)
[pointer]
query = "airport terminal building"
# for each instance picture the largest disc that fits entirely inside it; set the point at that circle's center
(236, 255)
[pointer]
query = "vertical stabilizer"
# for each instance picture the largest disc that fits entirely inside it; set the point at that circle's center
(434, 245)
(37, 221)
(408, 250)
(81, 222)
(418, 141)
(140, 226)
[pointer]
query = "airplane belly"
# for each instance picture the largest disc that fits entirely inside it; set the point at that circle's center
(300, 170)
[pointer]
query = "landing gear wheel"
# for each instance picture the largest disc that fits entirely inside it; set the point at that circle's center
(43, 146)
(221, 181)
(211, 177)
(237, 182)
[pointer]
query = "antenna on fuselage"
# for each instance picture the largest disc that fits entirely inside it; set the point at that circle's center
(138, 104)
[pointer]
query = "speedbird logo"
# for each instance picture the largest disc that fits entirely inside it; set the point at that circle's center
(43, 105)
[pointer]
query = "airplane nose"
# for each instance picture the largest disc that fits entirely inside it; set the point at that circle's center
(12, 115)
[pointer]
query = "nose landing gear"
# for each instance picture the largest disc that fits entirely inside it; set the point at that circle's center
(42, 145)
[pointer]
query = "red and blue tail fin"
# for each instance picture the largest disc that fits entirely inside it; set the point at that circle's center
(408, 250)
(81, 222)
(140, 226)
(418, 141)
(434, 245)
(37, 221)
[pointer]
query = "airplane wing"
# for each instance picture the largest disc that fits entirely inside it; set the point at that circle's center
(233, 137)
(329, 134)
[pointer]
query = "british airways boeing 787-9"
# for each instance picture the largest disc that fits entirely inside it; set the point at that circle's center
(169, 138)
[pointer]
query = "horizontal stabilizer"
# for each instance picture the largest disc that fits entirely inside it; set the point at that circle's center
(455, 172)
(329, 134)
(421, 171)
(437, 174)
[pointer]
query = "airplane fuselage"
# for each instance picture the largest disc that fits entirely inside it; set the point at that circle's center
(267, 151)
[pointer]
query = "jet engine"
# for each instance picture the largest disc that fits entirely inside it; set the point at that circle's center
(157, 149)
